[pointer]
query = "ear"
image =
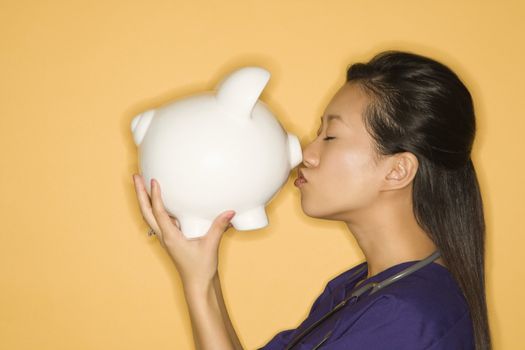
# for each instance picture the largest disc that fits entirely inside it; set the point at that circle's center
(240, 90)
(140, 125)
(402, 169)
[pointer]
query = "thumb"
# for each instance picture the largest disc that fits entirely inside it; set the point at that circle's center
(221, 224)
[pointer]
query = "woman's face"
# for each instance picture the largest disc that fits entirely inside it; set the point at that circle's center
(342, 176)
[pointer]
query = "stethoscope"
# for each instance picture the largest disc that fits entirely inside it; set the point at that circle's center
(375, 287)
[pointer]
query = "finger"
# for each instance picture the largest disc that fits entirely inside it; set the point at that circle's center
(220, 225)
(145, 203)
(161, 215)
(175, 222)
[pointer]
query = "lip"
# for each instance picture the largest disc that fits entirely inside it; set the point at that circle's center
(301, 180)
(301, 175)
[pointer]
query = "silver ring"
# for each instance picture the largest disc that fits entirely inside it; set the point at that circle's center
(151, 232)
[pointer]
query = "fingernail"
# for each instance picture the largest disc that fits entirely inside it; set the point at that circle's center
(230, 215)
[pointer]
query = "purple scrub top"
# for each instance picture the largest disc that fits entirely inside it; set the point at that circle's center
(424, 310)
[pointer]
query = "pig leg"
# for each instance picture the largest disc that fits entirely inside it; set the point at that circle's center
(251, 219)
(194, 227)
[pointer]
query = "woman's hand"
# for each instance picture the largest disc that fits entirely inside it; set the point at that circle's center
(195, 259)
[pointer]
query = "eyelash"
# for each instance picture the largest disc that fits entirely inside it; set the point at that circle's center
(328, 138)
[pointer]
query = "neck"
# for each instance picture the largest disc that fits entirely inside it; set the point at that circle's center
(389, 236)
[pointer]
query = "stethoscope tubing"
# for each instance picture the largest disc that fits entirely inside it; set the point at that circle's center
(375, 287)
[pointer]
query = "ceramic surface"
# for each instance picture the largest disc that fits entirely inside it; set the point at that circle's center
(217, 151)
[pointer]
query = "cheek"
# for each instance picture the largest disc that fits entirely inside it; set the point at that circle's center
(350, 179)
(352, 171)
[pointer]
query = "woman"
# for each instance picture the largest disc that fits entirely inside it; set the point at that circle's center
(391, 160)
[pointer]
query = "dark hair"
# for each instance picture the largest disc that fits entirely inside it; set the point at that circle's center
(419, 105)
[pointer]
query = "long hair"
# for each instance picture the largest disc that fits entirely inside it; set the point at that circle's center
(420, 106)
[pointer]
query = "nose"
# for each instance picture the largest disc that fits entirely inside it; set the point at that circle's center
(310, 155)
(294, 150)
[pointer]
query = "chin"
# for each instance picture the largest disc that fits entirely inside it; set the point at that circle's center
(319, 212)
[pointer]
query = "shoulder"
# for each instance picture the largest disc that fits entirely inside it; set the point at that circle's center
(431, 292)
(419, 311)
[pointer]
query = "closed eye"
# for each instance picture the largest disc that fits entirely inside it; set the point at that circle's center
(328, 138)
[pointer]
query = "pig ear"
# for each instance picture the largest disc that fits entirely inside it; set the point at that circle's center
(239, 91)
(140, 124)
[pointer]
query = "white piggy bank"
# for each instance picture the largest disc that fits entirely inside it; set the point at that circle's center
(217, 151)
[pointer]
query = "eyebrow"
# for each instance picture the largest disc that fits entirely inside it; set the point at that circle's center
(332, 117)
(329, 118)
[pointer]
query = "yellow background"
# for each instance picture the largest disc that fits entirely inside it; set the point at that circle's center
(77, 270)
